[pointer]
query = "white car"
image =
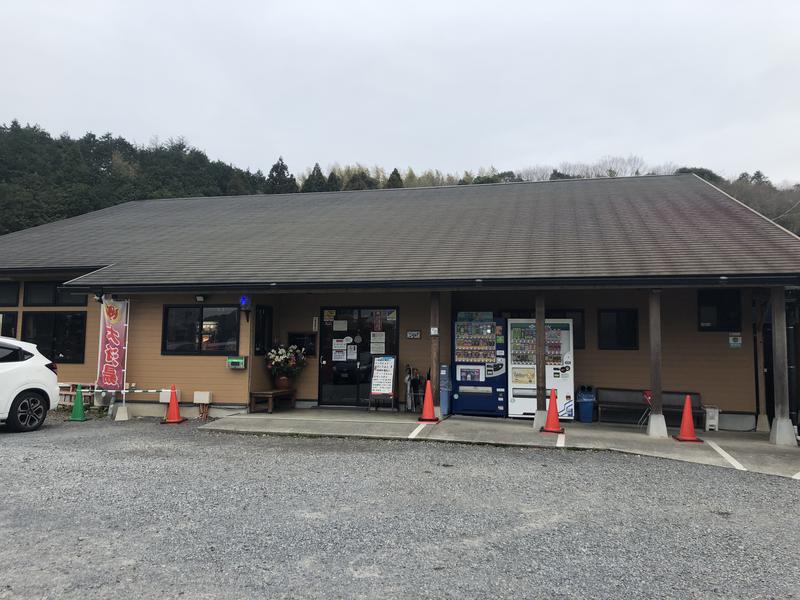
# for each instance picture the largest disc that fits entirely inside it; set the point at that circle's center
(28, 385)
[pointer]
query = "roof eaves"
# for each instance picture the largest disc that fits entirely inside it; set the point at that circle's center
(709, 280)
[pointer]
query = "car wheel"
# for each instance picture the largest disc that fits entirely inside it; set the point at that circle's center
(27, 413)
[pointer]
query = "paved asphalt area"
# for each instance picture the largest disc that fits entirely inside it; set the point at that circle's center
(144, 510)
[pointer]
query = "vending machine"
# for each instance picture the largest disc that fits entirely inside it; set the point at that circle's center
(479, 365)
(522, 371)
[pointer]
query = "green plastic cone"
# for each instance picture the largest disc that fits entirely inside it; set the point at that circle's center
(77, 407)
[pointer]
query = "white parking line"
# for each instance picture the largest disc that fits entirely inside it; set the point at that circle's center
(415, 433)
(736, 464)
(560, 440)
(796, 476)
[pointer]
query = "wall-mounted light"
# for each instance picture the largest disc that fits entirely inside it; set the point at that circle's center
(199, 298)
(98, 297)
(245, 306)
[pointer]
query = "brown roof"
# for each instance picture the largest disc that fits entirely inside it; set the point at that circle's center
(652, 228)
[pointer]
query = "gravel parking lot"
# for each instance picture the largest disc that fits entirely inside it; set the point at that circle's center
(142, 510)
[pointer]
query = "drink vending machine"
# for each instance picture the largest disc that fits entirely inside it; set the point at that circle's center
(479, 365)
(522, 368)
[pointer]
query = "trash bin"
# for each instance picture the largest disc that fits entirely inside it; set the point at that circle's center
(585, 403)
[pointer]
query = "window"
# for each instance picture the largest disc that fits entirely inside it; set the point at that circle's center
(719, 310)
(46, 293)
(578, 324)
(9, 293)
(263, 334)
(304, 340)
(60, 336)
(8, 324)
(618, 329)
(201, 330)
(9, 354)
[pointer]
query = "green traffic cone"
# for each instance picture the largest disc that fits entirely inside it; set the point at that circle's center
(77, 407)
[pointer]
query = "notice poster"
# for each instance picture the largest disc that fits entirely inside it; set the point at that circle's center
(339, 344)
(339, 355)
(523, 375)
(382, 376)
(352, 352)
(391, 315)
(377, 336)
(377, 348)
(340, 325)
(329, 315)
(113, 344)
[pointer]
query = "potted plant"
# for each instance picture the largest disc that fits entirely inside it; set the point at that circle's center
(284, 364)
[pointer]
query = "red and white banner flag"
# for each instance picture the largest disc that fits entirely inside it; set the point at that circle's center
(113, 344)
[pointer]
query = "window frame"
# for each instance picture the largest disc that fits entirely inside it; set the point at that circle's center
(56, 313)
(199, 351)
(723, 327)
(16, 295)
(601, 346)
(4, 314)
(55, 298)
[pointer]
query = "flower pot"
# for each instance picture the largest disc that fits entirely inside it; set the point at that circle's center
(282, 382)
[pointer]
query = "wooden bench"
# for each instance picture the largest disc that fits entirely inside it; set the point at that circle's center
(265, 401)
(632, 401)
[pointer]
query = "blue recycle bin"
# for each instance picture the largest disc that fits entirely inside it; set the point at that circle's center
(585, 404)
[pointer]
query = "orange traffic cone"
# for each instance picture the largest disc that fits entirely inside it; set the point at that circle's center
(428, 415)
(173, 410)
(552, 425)
(686, 433)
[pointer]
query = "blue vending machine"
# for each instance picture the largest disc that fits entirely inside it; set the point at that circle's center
(479, 365)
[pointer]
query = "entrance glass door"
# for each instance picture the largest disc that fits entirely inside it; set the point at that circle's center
(349, 338)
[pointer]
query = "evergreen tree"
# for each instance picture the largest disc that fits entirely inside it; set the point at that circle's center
(315, 182)
(44, 179)
(279, 180)
(334, 183)
(361, 180)
(394, 181)
(556, 174)
(704, 173)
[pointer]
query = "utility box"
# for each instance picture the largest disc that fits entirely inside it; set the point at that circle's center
(163, 396)
(237, 362)
(202, 397)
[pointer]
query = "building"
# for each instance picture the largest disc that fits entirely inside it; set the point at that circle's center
(663, 278)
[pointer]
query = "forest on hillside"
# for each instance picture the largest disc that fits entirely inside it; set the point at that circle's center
(45, 178)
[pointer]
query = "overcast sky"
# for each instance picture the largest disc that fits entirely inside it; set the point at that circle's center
(452, 85)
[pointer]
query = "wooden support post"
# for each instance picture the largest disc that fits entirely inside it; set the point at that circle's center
(656, 426)
(541, 375)
(761, 303)
(782, 431)
(435, 302)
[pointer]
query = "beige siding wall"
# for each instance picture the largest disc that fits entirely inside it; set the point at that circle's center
(148, 368)
(692, 360)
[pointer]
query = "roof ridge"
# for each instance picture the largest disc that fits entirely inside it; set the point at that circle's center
(422, 187)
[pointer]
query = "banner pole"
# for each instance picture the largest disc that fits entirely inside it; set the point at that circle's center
(125, 362)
